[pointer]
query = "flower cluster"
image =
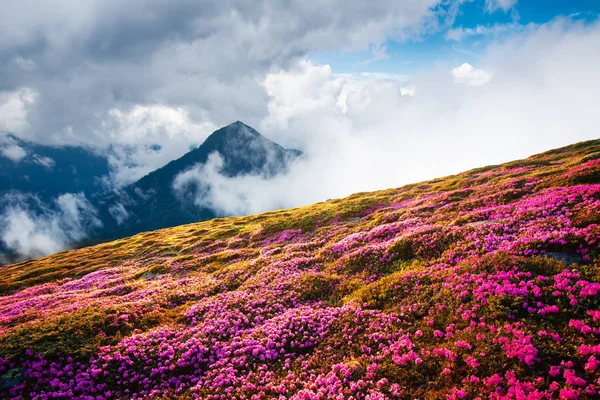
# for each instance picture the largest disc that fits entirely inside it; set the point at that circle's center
(481, 285)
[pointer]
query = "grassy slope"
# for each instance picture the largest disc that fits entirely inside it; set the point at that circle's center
(436, 289)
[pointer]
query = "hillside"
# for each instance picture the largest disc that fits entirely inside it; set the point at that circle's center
(479, 285)
(33, 180)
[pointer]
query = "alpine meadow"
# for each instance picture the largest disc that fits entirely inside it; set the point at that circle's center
(482, 284)
(299, 200)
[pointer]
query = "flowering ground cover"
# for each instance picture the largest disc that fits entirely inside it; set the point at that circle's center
(481, 285)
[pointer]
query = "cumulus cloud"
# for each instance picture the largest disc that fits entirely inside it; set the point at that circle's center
(504, 5)
(303, 88)
(145, 138)
(106, 73)
(14, 109)
(470, 76)
(30, 228)
(13, 152)
(542, 97)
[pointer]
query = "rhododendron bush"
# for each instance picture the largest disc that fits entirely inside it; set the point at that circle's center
(480, 285)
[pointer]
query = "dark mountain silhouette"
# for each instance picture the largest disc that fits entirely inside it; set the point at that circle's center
(151, 203)
(51, 171)
(32, 176)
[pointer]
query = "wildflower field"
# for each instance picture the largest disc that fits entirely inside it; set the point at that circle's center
(481, 285)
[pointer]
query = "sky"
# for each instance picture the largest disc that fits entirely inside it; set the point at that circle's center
(377, 94)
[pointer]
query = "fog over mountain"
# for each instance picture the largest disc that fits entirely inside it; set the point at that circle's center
(56, 198)
(183, 191)
(374, 94)
(265, 199)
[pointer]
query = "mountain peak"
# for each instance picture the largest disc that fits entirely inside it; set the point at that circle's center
(234, 137)
(237, 129)
(243, 150)
(238, 124)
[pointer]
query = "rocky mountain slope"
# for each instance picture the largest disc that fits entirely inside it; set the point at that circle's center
(481, 285)
(153, 202)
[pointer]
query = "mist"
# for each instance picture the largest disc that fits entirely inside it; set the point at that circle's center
(529, 89)
(534, 91)
(31, 228)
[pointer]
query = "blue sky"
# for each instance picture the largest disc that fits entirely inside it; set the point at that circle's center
(408, 57)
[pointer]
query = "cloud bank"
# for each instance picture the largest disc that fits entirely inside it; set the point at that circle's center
(536, 90)
(151, 79)
(13, 152)
(29, 228)
(146, 82)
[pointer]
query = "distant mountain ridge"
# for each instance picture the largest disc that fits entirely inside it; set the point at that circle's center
(149, 203)
(42, 189)
(50, 171)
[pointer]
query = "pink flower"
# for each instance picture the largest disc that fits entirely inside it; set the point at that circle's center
(472, 362)
(580, 326)
(569, 394)
(463, 345)
(493, 380)
(585, 350)
(459, 393)
(572, 379)
(595, 314)
(591, 364)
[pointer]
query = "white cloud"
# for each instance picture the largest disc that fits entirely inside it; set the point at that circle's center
(504, 5)
(308, 88)
(25, 63)
(32, 229)
(46, 162)
(13, 152)
(355, 83)
(543, 96)
(379, 53)
(29, 236)
(209, 189)
(304, 88)
(145, 138)
(149, 123)
(14, 109)
(470, 76)
(494, 31)
(118, 212)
